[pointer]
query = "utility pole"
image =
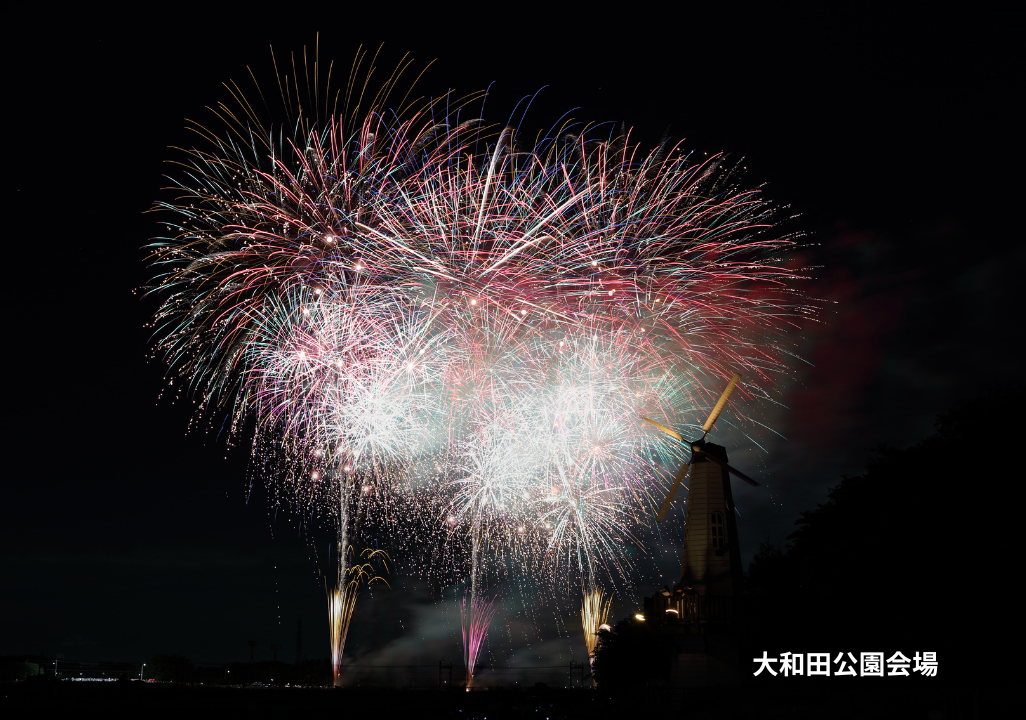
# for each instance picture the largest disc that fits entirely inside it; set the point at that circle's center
(275, 649)
(442, 667)
(299, 641)
(252, 644)
(576, 666)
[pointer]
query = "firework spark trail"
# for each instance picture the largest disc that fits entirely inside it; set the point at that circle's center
(406, 291)
(475, 616)
(595, 609)
(341, 597)
(342, 601)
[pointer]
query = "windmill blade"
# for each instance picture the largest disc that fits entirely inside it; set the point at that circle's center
(741, 475)
(731, 470)
(665, 429)
(673, 491)
(721, 403)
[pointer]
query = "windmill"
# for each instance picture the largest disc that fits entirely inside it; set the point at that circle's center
(711, 560)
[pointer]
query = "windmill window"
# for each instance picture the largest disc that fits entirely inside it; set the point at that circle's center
(718, 531)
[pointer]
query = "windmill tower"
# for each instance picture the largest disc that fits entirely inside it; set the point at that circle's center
(711, 557)
(700, 610)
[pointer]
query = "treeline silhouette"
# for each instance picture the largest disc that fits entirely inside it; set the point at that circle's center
(910, 555)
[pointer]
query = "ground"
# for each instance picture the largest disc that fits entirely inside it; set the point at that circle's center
(836, 700)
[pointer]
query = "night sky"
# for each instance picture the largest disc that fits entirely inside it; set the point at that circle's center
(124, 534)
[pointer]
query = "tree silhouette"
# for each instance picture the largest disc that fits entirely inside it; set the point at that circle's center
(630, 655)
(913, 550)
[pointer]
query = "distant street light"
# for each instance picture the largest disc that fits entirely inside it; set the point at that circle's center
(141, 671)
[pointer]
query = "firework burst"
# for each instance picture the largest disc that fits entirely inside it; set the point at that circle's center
(434, 318)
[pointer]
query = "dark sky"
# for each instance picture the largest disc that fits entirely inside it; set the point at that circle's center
(126, 535)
